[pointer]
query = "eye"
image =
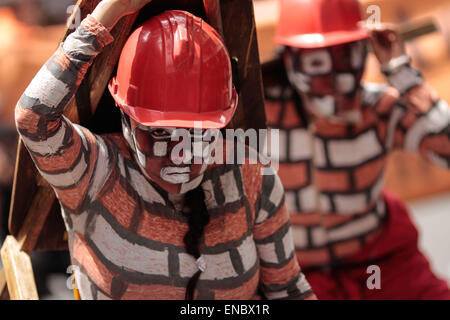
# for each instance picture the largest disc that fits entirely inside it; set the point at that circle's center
(317, 62)
(159, 133)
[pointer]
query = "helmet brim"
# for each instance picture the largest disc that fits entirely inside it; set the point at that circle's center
(321, 40)
(204, 120)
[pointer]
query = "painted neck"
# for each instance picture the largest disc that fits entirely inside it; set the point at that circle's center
(177, 200)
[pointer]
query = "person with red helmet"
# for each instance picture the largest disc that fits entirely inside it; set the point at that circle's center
(143, 221)
(353, 240)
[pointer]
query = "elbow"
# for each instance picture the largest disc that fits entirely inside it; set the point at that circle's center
(21, 116)
(26, 119)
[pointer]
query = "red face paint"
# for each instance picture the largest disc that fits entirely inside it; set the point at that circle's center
(329, 78)
(155, 151)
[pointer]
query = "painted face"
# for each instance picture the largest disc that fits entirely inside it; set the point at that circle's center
(329, 78)
(171, 157)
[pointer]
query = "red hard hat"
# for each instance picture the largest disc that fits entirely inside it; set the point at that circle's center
(175, 71)
(319, 23)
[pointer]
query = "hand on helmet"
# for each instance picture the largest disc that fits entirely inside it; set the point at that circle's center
(108, 12)
(386, 42)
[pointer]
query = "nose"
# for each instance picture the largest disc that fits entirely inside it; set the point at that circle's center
(345, 83)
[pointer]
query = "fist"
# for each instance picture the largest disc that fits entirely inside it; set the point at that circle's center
(386, 42)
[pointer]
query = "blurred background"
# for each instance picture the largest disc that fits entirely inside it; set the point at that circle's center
(30, 31)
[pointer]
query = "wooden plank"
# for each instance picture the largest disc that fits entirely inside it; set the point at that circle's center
(239, 30)
(36, 217)
(24, 184)
(4, 295)
(213, 14)
(18, 271)
(53, 232)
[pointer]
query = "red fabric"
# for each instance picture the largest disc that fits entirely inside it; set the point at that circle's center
(405, 272)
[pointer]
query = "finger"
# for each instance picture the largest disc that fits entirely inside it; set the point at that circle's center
(378, 27)
(370, 27)
(385, 38)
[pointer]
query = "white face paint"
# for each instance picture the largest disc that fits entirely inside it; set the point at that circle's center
(186, 178)
(318, 62)
(126, 130)
(323, 106)
(301, 81)
(345, 83)
(352, 116)
(141, 157)
(160, 149)
(175, 175)
(328, 79)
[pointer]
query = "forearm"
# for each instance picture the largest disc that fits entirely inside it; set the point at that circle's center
(281, 277)
(415, 94)
(40, 109)
(426, 122)
(62, 152)
(429, 135)
(65, 154)
(280, 273)
(108, 12)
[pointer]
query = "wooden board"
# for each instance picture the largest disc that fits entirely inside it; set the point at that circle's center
(239, 29)
(18, 271)
(35, 218)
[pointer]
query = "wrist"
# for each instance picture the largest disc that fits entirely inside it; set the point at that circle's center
(395, 64)
(108, 12)
(405, 78)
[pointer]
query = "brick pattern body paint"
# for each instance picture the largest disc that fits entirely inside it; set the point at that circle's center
(333, 172)
(124, 235)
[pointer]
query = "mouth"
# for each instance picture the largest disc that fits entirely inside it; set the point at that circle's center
(175, 170)
(175, 175)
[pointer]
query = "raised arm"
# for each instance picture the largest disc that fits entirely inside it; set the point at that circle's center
(421, 118)
(64, 153)
(281, 277)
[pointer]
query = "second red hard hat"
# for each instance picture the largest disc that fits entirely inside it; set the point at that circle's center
(319, 23)
(175, 71)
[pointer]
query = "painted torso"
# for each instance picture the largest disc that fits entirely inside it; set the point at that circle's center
(333, 172)
(128, 241)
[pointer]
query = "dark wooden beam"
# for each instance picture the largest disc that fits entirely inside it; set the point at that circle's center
(239, 29)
